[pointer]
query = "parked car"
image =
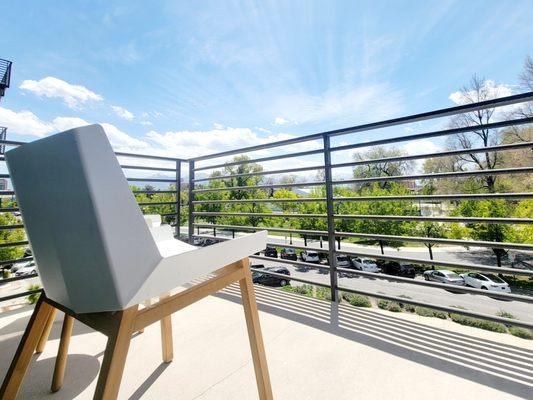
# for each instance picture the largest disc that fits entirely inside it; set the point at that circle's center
(26, 270)
(310, 256)
(289, 254)
(398, 269)
(365, 264)
(343, 262)
(271, 252)
(266, 279)
(486, 282)
(444, 276)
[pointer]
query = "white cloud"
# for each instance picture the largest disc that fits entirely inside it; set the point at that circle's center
(23, 123)
(146, 123)
(123, 113)
(218, 126)
(339, 105)
(281, 121)
(489, 90)
(74, 96)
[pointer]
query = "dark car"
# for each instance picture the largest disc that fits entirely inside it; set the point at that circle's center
(398, 269)
(289, 254)
(271, 280)
(271, 252)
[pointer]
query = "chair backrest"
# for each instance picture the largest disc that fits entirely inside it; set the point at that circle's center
(91, 244)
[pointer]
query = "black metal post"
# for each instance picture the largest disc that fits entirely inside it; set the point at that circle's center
(233, 233)
(305, 240)
(381, 246)
(191, 199)
(338, 243)
(321, 244)
(290, 236)
(177, 220)
(331, 221)
(215, 232)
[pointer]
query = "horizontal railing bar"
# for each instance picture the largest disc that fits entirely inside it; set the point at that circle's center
(420, 239)
(14, 244)
(148, 168)
(16, 261)
(376, 237)
(437, 285)
(468, 266)
(161, 203)
(151, 180)
(383, 217)
(438, 175)
(22, 294)
(146, 156)
(169, 214)
(271, 186)
(8, 227)
(447, 264)
(269, 200)
(419, 136)
(119, 154)
(502, 101)
(438, 219)
(291, 262)
(488, 149)
(258, 160)
(18, 278)
(463, 196)
(153, 191)
(279, 171)
(266, 215)
(7, 192)
(287, 277)
(281, 143)
(11, 143)
(452, 310)
(257, 228)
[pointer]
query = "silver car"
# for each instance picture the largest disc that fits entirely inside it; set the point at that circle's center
(444, 276)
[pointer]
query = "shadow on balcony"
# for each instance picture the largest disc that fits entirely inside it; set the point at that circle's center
(501, 366)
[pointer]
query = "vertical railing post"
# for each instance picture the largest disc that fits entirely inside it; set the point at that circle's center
(177, 228)
(190, 230)
(331, 222)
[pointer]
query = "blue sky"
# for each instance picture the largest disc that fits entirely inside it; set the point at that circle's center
(188, 78)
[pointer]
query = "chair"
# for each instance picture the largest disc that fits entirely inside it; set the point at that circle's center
(102, 260)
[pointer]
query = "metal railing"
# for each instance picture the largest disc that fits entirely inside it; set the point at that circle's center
(210, 195)
(5, 75)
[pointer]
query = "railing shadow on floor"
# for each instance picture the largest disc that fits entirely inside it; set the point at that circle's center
(503, 367)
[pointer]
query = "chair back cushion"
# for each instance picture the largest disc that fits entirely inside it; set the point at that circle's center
(91, 244)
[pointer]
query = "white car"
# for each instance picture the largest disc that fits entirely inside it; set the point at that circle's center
(365, 264)
(26, 270)
(486, 282)
(343, 262)
(310, 256)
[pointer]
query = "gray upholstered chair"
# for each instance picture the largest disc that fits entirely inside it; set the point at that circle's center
(98, 259)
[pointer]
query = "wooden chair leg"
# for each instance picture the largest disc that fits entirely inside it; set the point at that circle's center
(46, 332)
(254, 334)
(166, 338)
(25, 350)
(116, 351)
(62, 353)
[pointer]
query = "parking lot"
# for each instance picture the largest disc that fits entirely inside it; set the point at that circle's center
(482, 304)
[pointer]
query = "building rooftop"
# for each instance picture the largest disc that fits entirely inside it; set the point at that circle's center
(316, 350)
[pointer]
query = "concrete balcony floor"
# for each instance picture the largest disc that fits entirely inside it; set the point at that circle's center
(314, 350)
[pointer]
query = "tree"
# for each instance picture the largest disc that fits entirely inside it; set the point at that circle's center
(382, 168)
(430, 230)
(9, 236)
(477, 90)
(489, 231)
